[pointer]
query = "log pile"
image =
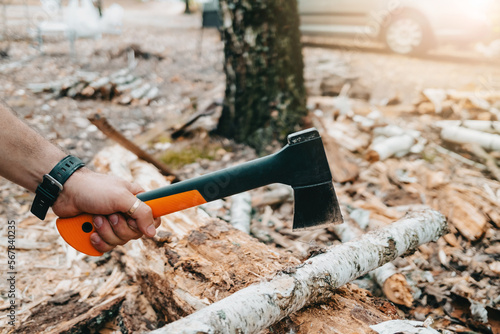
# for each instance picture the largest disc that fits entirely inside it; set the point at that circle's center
(121, 87)
(449, 164)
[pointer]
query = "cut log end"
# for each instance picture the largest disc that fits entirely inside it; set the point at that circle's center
(372, 156)
(396, 289)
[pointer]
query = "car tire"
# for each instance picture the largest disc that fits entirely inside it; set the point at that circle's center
(408, 34)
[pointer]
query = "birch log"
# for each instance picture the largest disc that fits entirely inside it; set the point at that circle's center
(461, 135)
(389, 147)
(479, 125)
(393, 284)
(258, 306)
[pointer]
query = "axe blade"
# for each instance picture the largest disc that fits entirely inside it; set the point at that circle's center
(316, 206)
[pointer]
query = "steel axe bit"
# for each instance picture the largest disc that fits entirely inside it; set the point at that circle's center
(302, 164)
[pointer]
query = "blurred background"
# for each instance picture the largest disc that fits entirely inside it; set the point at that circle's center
(405, 93)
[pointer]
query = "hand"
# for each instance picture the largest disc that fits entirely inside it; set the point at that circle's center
(108, 198)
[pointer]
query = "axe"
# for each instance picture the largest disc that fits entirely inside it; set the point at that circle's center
(301, 164)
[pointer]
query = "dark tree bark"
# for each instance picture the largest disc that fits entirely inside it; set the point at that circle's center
(187, 10)
(265, 95)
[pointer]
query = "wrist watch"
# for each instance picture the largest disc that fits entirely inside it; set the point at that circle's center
(52, 184)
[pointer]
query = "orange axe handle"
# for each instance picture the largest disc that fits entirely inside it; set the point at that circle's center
(76, 231)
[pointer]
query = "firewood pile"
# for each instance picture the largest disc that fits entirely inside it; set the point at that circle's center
(439, 152)
(386, 160)
(121, 87)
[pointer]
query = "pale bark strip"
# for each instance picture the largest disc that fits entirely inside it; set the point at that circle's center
(241, 211)
(261, 305)
(461, 135)
(478, 125)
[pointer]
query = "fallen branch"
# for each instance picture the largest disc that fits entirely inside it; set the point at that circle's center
(208, 111)
(457, 157)
(102, 124)
(260, 305)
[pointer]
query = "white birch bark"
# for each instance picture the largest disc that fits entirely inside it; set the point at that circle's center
(479, 125)
(393, 284)
(461, 135)
(388, 147)
(241, 211)
(258, 306)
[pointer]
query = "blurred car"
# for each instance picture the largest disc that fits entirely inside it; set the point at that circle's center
(405, 26)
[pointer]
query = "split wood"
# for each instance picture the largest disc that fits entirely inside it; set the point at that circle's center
(258, 306)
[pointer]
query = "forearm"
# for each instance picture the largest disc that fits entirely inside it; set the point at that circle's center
(26, 155)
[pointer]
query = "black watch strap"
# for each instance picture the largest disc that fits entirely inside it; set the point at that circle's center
(52, 184)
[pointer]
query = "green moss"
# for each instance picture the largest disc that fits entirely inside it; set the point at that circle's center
(164, 139)
(429, 155)
(176, 158)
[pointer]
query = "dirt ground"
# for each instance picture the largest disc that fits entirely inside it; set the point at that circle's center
(187, 68)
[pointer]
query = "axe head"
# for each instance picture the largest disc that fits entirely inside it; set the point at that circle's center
(316, 206)
(305, 167)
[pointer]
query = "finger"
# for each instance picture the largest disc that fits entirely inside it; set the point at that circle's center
(144, 219)
(106, 233)
(122, 229)
(132, 224)
(134, 188)
(99, 244)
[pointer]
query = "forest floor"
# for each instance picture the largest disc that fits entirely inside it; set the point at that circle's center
(454, 281)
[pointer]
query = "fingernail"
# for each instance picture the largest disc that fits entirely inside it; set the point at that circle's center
(97, 222)
(95, 238)
(151, 231)
(113, 219)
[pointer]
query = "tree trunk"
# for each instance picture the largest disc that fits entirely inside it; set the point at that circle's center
(265, 93)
